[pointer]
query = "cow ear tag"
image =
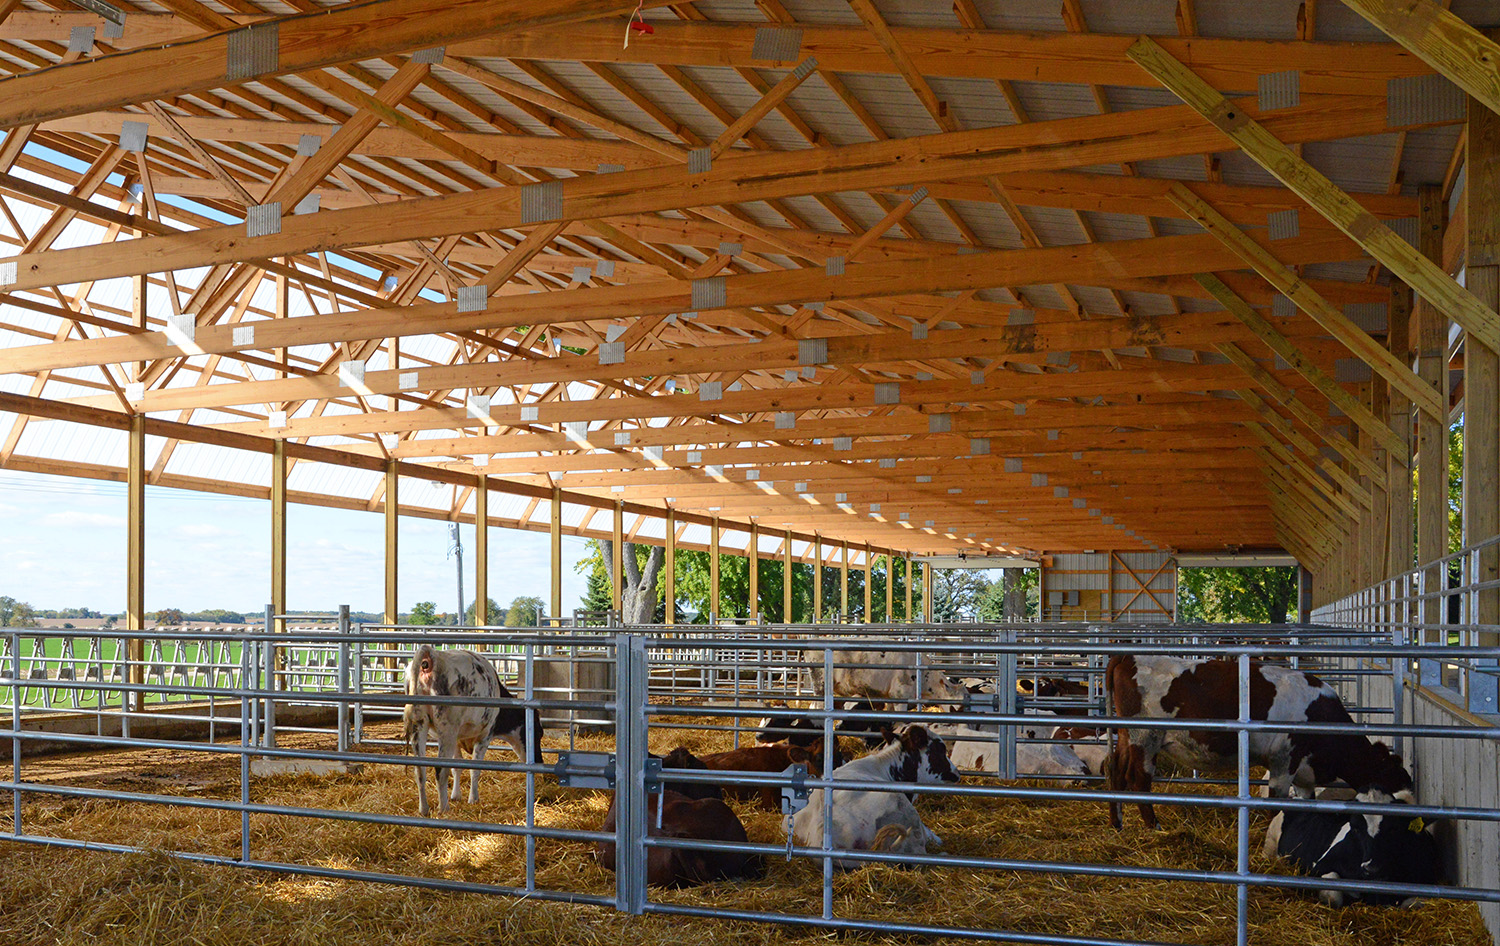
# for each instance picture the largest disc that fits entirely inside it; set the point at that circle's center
(1415, 826)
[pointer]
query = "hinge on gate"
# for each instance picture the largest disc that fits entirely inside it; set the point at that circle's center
(653, 777)
(794, 796)
(593, 760)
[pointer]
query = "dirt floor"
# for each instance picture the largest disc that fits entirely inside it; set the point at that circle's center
(54, 896)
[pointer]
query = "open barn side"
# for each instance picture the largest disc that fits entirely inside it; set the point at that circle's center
(312, 800)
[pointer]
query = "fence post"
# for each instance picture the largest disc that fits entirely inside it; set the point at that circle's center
(630, 774)
(268, 655)
(247, 739)
(343, 677)
(15, 725)
(1006, 686)
(1242, 891)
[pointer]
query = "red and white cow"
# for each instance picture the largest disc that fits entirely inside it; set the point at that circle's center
(461, 673)
(1171, 688)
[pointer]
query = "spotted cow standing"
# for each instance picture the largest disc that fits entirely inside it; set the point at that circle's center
(461, 673)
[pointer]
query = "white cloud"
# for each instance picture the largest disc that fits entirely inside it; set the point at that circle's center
(77, 518)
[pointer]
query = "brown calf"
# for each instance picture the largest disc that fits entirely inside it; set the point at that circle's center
(772, 758)
(704, 819)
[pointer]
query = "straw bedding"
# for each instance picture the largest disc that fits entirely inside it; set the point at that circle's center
(60, 896)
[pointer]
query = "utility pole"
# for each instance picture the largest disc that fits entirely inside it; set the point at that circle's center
(457, 551)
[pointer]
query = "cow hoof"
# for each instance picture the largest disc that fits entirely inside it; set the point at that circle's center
(1411, 903)
(1331, 898)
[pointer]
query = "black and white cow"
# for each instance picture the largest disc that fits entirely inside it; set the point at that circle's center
(1340, 846)
(1171, 688)
(461, 673)
(873, 820)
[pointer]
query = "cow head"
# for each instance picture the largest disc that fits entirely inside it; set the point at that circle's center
(925, 757)
(1391, 848)
(937, 686)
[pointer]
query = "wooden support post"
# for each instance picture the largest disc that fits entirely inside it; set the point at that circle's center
(869, 585)
(844, 582)
(890, 587)
(1432, 431)
(392, 539)
(670, 595)
(713, 566)
(1481, 486)
(617, 560)
(908, 589)
(817, 579)
(752, 565)
(1109, 589)
(135, 557)
(927, 592)
(482, 550)
(788, 571)
(1041, 591)
(278, 529)
(556, 605)
(1400, 548)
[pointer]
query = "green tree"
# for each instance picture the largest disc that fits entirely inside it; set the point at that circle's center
(169, 617)
(523, 611)
(1236, 595)
(423, 613)
(494, 614)
(956, 593)
(1014, 597)
(15, 613)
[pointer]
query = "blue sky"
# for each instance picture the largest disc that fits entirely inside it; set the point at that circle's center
(65, 547)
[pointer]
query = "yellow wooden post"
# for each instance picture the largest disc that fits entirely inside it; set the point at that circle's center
(1481, 499)
(392, 538)
(908, 588)
(869, 584)
(752, 562)
(817, 579)
(890, 586)
(927, 592)
(713, 566)
(1432, 432)
(482, 550)
(670, 595)
(617, 559)
(555, 534)
(135, 557)
(1400, 551)
(787, 573)
(844, 582)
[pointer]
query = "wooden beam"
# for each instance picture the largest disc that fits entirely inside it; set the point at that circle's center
(304, 41)
(1135, 135)
(1278, 274)
(1425, 276)
(752, 567)
(1087, 265)
(1446, 43)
